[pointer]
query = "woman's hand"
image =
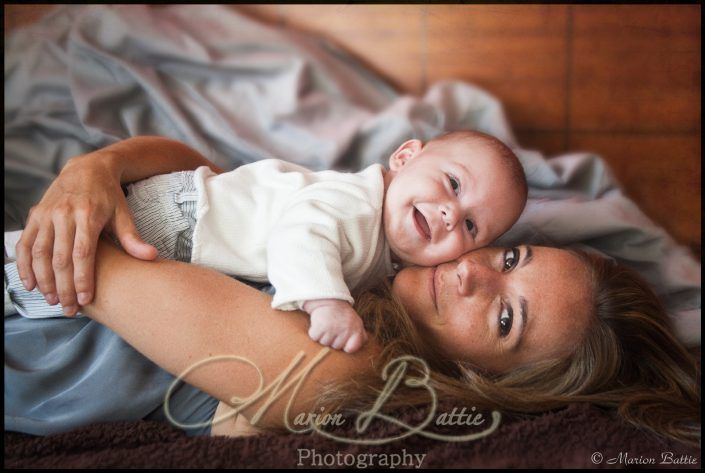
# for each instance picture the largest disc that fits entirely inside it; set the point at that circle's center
(57, 249)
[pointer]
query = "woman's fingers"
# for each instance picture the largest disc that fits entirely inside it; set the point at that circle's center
(62, 262)
(23, 253)
(56, 252)
(42, 252)
(84, 248)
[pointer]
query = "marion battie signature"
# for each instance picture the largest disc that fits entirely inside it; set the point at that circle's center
(394, 372)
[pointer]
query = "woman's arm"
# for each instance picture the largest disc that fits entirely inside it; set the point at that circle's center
(57, 248)
(141, 157)
(177, 314)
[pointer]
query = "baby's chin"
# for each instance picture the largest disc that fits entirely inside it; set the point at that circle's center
(424, 260)
(411, 254)
(416, 262)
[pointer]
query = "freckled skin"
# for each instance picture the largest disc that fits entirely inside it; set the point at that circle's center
(469, 293)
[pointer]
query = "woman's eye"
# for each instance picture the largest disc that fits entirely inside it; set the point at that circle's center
(505, 321)
(511, 258)
(454, 183)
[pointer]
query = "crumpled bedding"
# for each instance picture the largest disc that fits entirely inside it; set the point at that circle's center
(239, 91)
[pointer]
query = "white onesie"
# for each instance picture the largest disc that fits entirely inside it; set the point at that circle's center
(312, 235)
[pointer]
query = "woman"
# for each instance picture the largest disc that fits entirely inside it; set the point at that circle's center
(521, 330)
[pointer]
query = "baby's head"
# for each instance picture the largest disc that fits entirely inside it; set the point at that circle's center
(456, 193)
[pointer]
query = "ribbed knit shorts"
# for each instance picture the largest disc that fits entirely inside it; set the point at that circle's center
(164, 211)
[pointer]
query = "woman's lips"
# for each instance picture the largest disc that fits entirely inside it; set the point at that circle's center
(422, 225)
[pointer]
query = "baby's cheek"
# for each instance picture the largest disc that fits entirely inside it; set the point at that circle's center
(448, 250)
(470, 246)
(455, 250)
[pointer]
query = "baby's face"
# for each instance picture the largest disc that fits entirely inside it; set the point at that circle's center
(445, 199)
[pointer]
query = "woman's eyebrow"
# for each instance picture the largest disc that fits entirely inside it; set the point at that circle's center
(524, 312)
(529, 255)
(523, 305)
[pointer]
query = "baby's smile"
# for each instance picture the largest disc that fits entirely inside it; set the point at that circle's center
(422, 225)
(450, 196)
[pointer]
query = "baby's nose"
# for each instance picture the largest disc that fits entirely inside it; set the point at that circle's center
(449, 216)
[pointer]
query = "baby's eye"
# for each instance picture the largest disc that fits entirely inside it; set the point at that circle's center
(470, 225)
(454, 184)
(511, 261)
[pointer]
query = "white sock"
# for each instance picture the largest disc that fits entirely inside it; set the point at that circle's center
(11, 239)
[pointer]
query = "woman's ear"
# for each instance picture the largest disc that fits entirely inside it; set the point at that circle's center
(407, 151)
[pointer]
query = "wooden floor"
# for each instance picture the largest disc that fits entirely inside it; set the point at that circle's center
(619, 80)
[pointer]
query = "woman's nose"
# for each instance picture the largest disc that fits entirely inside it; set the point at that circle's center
(474, 277)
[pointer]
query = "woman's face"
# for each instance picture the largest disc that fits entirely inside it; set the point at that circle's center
(500, 308)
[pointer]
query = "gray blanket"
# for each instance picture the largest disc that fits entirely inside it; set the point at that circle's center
(239, 91)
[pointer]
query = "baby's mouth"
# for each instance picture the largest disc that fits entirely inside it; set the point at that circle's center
(422, 225)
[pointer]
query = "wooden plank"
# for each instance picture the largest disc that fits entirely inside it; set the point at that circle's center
(267, 13)
(548, 143)
(16, 16)
(636, 67)
(659, 172)
(518, 53)
(388, 38)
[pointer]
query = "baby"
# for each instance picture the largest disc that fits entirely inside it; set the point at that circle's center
(317, 236)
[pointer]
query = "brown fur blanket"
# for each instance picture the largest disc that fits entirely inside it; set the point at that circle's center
(578, 436)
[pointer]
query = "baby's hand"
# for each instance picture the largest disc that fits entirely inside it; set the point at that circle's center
(335, 323)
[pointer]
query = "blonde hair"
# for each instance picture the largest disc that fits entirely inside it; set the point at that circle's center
(629, 361)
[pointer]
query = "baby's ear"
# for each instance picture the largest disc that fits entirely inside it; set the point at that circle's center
(407, 151)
